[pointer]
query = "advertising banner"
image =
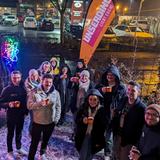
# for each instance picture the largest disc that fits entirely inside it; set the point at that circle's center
(99, 17)
(77, 12)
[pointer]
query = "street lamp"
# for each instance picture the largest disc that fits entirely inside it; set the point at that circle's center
(117, 7)
(125, 10)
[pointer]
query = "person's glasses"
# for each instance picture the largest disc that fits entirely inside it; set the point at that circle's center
(151, 114)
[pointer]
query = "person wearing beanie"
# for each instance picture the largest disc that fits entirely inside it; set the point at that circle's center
(80, 67)
(90, 126)
(55, 66)
(79, 89)
(148, 147)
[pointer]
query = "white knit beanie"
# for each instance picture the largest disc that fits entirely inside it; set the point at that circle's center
(85, 72)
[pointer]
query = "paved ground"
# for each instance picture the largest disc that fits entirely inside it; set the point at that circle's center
(60, 147)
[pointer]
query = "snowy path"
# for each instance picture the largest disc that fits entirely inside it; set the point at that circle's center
(60, 147)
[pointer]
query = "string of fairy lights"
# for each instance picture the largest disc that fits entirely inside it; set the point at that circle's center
(9, 51)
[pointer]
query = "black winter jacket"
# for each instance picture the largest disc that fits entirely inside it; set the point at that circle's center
(149, 144)
(97, 133)
(14, 93)
(133, 123)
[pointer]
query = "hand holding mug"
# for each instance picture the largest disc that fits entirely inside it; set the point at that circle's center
(17, 104)
(74, 79)
(106, 89)
(85, 120)
(11, 104)
(45, 102)
(90, 120)
(134, 153)
(65, 76)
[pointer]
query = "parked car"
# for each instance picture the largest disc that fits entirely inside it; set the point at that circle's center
(76, 31)
(131, 31)
(109, 36)
(128, 34)
(4, 15)
(10, 20)
(46, 25)
(140, 23)
(30, 23)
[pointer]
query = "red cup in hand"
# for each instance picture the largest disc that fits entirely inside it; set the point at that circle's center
(17, 104)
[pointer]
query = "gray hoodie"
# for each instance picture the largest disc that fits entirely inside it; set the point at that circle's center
(44, 114)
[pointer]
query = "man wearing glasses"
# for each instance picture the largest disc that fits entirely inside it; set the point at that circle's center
(148, 147)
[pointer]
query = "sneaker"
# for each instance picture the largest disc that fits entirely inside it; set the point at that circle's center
(22, 152)
(107, 158)
(43, 157)
(10, 156)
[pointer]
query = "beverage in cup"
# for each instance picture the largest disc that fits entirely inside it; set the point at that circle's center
(74, 79)
(17, 104)
(108, 89)
(46, 101)
(90, 120)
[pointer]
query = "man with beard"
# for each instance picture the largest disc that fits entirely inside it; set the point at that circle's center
(45, 104)
(131, 119)
(13, 98)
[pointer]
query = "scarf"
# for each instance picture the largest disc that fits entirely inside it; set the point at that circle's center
(91, 114)
(83, 88)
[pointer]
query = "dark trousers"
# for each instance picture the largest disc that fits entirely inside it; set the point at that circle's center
(37, 131)
(17, 126)
(85, 152)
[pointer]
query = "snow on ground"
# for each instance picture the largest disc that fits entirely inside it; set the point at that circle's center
(60, 146)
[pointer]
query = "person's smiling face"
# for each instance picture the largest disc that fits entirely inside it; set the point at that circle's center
(151, 117)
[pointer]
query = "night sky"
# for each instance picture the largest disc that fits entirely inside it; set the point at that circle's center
(150, 7)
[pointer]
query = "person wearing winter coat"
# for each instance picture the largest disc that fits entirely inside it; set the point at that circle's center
(131, 119)
(62, 87)
(55, 66)
(148, 147)
(45, 104)
(14, 99)
(80, 67)
(90, 126)
(45, 68)
(32, 82)
(79, 87)
(113, 91)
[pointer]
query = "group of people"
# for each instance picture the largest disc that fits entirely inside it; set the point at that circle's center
(108, 115)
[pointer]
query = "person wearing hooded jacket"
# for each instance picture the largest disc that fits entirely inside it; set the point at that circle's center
(62, 87)
(45, 104)
(148, 147)
(113, 91)
(90, 126)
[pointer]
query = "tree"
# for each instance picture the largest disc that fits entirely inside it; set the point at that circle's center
(60, 5)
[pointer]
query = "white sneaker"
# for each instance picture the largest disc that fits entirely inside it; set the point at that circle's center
(22, 152)
(107, 158)
(43, 157)
(10, 156)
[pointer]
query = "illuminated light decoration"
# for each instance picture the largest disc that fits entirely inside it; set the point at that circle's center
(9, 51)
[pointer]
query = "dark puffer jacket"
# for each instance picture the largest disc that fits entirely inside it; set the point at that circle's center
(149, 144)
